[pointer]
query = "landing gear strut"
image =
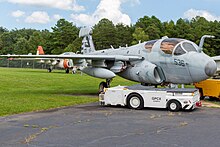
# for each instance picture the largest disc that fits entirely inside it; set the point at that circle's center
(103, 85)
(67, 70)
(49, 69)
(108, 82)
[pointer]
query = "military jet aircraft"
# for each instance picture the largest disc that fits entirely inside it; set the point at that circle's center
(156, 62)
(66, 64)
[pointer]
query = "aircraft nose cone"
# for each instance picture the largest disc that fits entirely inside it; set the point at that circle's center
(210, 68)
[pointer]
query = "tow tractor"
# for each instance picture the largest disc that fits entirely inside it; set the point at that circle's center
(138, 97)
(209, 87)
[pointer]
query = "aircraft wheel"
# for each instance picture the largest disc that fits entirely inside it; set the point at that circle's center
(173, 105)
(135, 101)
(73, 72)
(102, 85)
(49, 70)
(67, 71)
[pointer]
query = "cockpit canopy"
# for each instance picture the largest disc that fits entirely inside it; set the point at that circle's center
(177, 46)
(149, 45)
(173, 46)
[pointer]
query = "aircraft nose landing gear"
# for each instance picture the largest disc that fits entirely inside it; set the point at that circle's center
(50, 69)
(103, 85)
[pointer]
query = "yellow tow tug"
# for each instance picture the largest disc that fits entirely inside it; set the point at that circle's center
(209, 87)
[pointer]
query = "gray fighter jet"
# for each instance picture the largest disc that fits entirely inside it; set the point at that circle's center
(155, 62)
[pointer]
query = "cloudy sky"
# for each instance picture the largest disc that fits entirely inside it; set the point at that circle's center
(43, 14)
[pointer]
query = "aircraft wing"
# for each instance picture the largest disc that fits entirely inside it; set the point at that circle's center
(39, 60)
(217, 60)
(16, 58)
(79, 56)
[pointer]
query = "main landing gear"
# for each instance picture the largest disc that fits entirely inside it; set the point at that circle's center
(67, 71)
(49, 69)
(104, 85)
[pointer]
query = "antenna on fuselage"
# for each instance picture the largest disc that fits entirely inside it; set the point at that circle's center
(112, 47)
(165, 37)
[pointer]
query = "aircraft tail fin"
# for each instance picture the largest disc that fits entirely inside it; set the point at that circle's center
(87, 42)
(40, 50)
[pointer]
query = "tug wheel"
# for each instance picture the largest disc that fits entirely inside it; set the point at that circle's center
(135, 101)
(173, 105)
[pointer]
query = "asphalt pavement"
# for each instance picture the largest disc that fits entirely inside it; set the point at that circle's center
(92, 125)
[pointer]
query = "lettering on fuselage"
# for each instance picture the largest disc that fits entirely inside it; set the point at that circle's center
(156, 99)
(179, 62)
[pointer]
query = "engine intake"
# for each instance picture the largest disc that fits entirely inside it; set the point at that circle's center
(144, 72)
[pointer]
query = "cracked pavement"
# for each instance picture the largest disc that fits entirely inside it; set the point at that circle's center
(92, 125)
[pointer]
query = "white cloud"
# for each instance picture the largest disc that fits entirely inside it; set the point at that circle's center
(38, 17)
(133, 2)
(18, 13)
(192, 13)
(60, 4)
(106, 9)
(57, 17)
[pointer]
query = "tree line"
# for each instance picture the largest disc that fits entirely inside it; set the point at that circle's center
(63, 37)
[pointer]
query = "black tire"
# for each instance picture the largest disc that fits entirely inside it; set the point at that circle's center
(135, 101)
(102, 85)
(173, 105)
(67, 71)
(49, 70)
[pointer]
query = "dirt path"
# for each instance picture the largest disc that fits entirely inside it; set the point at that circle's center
(210, 104)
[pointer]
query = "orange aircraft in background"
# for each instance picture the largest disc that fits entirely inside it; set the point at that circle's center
(66, 64)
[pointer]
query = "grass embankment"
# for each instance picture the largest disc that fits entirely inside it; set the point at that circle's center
(25, 90)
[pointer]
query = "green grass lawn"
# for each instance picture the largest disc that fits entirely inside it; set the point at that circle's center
(25, 90)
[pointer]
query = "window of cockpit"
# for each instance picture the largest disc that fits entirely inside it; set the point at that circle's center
(168, 45)
(189, 47)
(179, 50)
(149, 45)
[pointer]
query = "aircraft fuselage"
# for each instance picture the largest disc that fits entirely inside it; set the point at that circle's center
(167, 60)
